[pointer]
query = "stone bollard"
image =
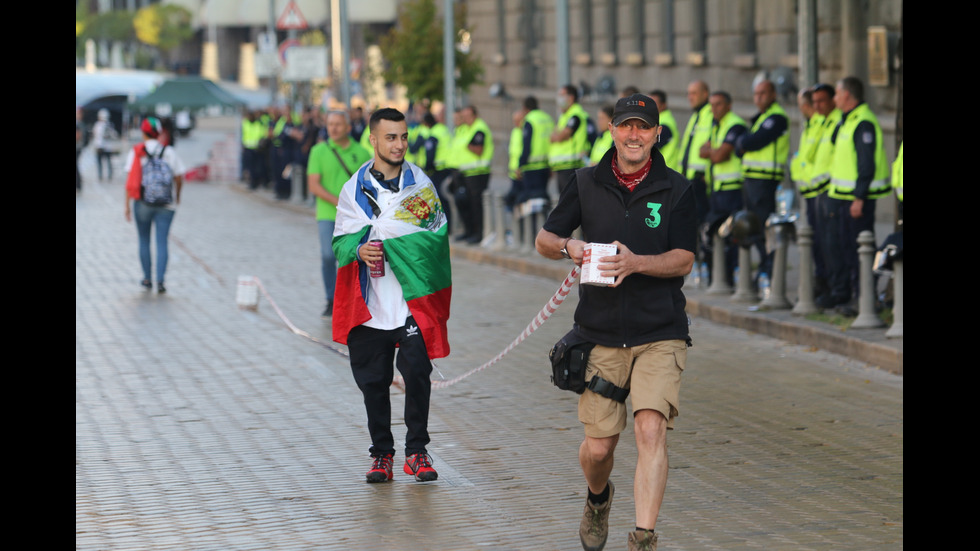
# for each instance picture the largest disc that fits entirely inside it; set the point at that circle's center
(526, 236)
(499, 228)
(866, 318)
(744, 291)
(719, 285)
(488, 208)
(296, 176)
(777, 291)
(895, 331)
(805, 304)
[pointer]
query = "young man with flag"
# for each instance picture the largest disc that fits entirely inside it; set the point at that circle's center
(407, 306)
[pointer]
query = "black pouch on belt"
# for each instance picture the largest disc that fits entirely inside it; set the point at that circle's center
(569, 359)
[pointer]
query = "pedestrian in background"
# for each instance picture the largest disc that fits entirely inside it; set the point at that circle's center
(532, 163)
(826, 118)
(79, 146)
(724, 177)
(104, 138)
(696, 133)
(668, 143)
(475, 158)
(152, 216)
(859, 176)
(437, 151)
(765, 153)
(637, 346)
(393, 295)
(605, 141)
(569, 139)
(801, 173)
(331, 163)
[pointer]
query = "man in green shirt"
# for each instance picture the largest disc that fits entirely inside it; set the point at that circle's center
(332, 162)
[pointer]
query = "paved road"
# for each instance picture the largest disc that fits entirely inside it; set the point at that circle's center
(203, 426)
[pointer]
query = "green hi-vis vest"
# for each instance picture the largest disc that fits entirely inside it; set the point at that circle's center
(542, 125)
(898, 181)
(416, 141)
(602, 144)
(823, 155)
(697, 133)
(366, 141)
(768, 163)
(726, 175)
(444, 145)
(471, 164)
(252, 133)
(801, 165)
(670, 150)
(514, 151)
(571, 152)
(843, 170)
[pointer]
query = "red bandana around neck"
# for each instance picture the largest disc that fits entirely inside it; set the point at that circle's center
(630, 181)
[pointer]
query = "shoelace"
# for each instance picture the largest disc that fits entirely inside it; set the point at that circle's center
(422, 460)
(382, 463)
(595, 527)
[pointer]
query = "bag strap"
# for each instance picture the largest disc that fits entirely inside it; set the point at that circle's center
(342, 163)
(603, 387)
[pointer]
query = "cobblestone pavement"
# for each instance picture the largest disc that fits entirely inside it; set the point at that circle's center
(203, 426)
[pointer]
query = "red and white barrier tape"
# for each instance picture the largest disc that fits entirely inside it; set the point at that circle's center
(546, 312)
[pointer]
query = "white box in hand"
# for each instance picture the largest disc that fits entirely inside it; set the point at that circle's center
(591, 274)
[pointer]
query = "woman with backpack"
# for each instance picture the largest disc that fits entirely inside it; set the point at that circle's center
(156, 175)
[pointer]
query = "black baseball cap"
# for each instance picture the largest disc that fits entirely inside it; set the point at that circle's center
(637, 106)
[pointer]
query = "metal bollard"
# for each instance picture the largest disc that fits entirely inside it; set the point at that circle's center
(805, 304)
(866, 318)
(743, 288)
(719, 285)
(524, 238)
(777, 292)
(895, 331)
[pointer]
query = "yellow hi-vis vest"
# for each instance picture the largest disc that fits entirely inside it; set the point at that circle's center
(569, 153)
(252, 133)
(843, 170)
(697, 133)
(670, 150)
(444, 144)
(471, 164)
(801, 165)
(726, 175)
(823, 155)
(514, 150)
(898, 180)
(542, 125)
(768, 163)
(602, 144)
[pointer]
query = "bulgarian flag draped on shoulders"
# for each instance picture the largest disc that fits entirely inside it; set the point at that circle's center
(416, 244)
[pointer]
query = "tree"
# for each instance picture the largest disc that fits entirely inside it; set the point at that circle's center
(413, 51)
(164, 27)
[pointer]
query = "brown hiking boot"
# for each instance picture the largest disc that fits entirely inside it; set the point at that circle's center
(642, 540)
(595, 523)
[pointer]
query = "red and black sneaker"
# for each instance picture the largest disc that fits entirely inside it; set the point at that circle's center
(381, 469)
(420, 465)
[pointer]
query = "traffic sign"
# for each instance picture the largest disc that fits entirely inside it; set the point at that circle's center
(291, 18)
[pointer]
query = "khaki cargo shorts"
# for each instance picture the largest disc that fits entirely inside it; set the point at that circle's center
(651, 371)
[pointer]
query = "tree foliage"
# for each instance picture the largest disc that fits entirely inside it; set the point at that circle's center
(163, 26)
(413, 51)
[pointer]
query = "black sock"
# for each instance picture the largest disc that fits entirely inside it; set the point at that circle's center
(599, 499)
(638, 529)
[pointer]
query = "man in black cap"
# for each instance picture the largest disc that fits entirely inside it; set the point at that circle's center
(637, 323)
